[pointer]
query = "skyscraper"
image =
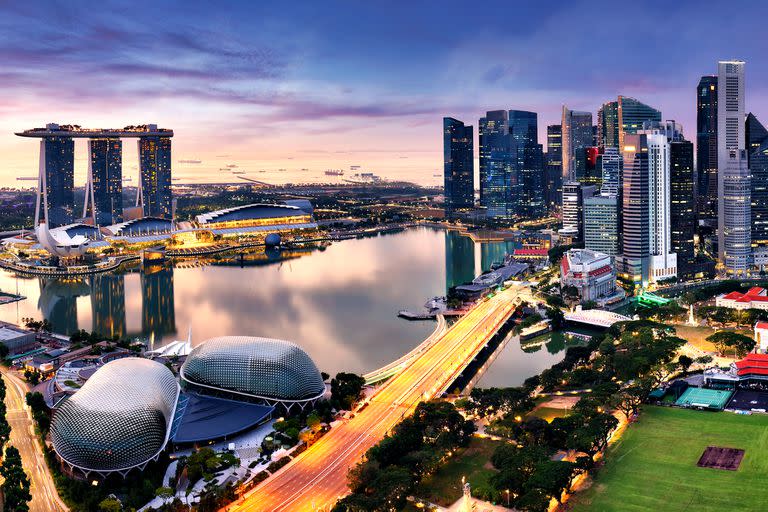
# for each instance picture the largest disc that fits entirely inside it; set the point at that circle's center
(576, 133)
(611, 171)
(104, 188)
(758, 167)
(601, 224)
(682, 204)
(155, 176)
(754, 134)
(608, 124)
(458, 160)
(757, 142)
(554, 165)
(56, 181)
(734, 187)
(498, 178)
(623, 116)
(528, 163)
(706, 146)
(574, 194)
(633, 264)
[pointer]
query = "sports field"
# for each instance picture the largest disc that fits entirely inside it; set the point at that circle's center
(653, 465)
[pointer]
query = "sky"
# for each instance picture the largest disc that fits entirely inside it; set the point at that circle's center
(319, 85)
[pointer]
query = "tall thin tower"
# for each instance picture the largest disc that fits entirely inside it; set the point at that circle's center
(734, 201)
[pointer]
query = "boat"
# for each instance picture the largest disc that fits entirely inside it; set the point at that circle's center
(332, 172)
(363, 178)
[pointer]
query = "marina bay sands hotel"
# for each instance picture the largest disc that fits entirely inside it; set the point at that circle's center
(104, 188)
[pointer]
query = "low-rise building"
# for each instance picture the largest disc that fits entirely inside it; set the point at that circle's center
(761, 336)
(17, 340)
(755, 298)
(593, 275)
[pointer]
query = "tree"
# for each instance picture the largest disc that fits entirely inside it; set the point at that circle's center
(553, 477)
(110, 504)
(684, 362)
(740, 343)
(16, 485)
(346, 389)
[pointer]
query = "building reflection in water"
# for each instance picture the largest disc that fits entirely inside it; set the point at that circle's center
(58, 302)
(459, 259)
(158, 314)
(108, 304)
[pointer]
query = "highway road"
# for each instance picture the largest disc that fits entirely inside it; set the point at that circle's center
(318, 477)
(23, 437)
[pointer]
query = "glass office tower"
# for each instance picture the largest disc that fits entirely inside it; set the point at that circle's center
(528, 158)
(498, 177)
(706, 146)
(554, 164)
(458, 162)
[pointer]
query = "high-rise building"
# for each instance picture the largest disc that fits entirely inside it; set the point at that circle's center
(620, 117)
(498, 178)
(635, 250)
(601, 224)
(155, 176)
(608, 124)
(528, 159)
(574, 194)
(682, 205)
(706, 147)
(757, 143)
(734, 187)
(754, 134)
(610, 168)
(554, 165)
(104, 188)
(758, 167)
(458, 161)
(576, 133)
(56, 180)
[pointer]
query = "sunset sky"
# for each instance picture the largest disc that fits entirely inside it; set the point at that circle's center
(332, 84)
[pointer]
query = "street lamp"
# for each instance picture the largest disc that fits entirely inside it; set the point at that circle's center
(507, 498)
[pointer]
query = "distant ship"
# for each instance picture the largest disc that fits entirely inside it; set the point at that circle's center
(329, 172)
(238, 172)
(363, 178)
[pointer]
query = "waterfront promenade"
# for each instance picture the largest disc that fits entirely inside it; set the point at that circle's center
(317, 478)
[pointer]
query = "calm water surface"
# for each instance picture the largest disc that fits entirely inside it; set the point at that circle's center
(339, 303)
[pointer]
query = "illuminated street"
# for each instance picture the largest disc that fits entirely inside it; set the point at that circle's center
(23, 437)
(318, 477)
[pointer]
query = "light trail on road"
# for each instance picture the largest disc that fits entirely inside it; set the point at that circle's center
(317, 478)
(45, 498)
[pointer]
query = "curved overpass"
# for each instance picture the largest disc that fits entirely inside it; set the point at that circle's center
(315, 479)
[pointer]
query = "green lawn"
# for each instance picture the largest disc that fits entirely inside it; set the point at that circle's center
(653, 466)
(473, 462)
(549, 413)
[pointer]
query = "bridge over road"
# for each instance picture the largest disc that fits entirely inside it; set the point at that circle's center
(317, 478)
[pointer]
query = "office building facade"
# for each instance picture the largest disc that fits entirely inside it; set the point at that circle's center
(554, 166)
(682, 205)
(601, 224)
(498, 180)
(706, 147)
(577, 133)
(458, 160)
(734, 182)
(623, 116)
(528, 163)
(574, 194)
(757, 159)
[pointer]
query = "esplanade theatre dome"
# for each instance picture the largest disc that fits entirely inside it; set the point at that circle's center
(274, 371)
(119, 420)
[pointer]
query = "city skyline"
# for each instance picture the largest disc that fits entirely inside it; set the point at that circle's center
(231, 85)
